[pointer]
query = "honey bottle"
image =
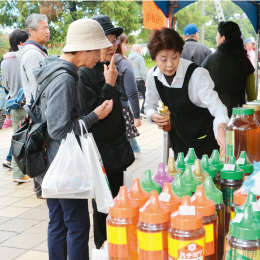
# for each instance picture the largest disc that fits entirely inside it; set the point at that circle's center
(256, 106)
(180, 162)
(168, 199)
(186, 235)
(152, 229)
(239, 198)
(243, 242)
(190, 157)
(245, 164)
(137, 194)
(161, 176)
(189, 179)
(178, 188)
(164, 111)
(216, 162)
(199, 171)
(211, 170)
(148, 185)
(121, 227)
(172, 167)
(215, 195)
(210, 222)
(231, 179)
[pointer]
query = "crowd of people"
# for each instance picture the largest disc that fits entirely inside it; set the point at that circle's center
(101, 86)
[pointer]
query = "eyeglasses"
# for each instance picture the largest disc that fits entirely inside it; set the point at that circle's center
(115, 42)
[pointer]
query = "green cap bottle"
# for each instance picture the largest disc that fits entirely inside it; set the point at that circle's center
(244, 163)
(189, 179)
(180, 162)
(211, 191)
(178, 188)
(190, 157)
(215, 161)
(147, 184)
(236, 174)
(211, 170)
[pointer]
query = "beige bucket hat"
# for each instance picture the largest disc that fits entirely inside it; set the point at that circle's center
(85, 35)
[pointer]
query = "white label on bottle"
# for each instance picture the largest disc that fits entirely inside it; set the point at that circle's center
(238, 218)
(164, 197)
(229, 167)
(187, 210)
(241, 161)
(193, 167)
(193, 198)
(255, 206)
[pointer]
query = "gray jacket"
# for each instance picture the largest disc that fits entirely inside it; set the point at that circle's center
(59, 104)
(139, 65)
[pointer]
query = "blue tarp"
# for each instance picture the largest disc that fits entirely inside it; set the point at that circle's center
(248, 7)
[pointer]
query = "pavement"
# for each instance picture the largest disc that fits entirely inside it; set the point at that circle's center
(24, 218)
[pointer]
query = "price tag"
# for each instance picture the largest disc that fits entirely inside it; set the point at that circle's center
(164, 197)
(229, 167)
(255, 206)
(241, 161)
(238, 218)
(187, 210)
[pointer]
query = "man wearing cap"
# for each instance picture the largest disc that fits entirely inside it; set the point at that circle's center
(110, 134)
(250, 46)
(68, 230)
(193, 50)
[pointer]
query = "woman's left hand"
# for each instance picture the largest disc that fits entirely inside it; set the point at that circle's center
(221, 137)
(137, 122)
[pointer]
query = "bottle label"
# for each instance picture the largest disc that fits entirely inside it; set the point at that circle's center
(229, 167)
(183, 250)
(187, 210)
(228, 197)
(117, 241)
(230, 143)
(152, 245)
(209, 239)
(164, 197)
(238, 254)
(241, 161)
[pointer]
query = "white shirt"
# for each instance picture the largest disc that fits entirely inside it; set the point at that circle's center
(200, 90)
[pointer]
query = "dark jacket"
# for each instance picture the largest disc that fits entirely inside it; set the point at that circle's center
(195, 51)
(59, 104)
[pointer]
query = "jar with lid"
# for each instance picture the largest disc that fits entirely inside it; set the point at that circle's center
(165, 112)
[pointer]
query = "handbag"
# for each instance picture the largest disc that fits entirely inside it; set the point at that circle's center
(29, 142)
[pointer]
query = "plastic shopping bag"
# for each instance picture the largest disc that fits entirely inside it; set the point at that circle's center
(102, 190)
(100, 254)
(69, 174)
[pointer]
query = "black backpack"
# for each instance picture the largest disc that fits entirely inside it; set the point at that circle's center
(29, 142)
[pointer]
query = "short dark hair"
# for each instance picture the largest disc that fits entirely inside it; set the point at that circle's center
(164, 39)
(16, 37)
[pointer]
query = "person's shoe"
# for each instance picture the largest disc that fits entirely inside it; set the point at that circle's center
(24, 179)
(7, 123)
(137, 155)
(34, 189)
(7, 164)
(142, 115)
(40, 197)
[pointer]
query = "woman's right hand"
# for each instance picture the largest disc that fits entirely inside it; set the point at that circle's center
(110, 72)
(159, 120)
(103, 110)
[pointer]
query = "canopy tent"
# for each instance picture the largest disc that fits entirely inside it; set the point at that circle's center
(249, 7)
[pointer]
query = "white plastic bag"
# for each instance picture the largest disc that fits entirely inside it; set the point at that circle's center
(100, 254)
(69, 175)
(102, 190)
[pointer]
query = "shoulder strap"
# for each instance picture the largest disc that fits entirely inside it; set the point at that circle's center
(188, 75)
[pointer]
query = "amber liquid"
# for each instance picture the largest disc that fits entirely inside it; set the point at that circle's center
(220, 208)
(168, 127)
(128, 251)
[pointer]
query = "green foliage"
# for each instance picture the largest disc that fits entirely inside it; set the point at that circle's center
(4, 44)
(149, 63)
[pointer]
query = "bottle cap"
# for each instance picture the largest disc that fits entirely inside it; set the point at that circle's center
(147, 184)
(239, 198)
(168, 199)
(189, 180)
(137, 194)
(161, 176)
(215, 161)
(203, 205)
(172, 167)
(186, 222)
(164, 109)
(178, 188)
(154, 212)
(122, 206)
(190, 157)
(211, 191)
(251, 197)
(253, 105)
(237, 174)
(243, 226)
(211, 170)
(248, 111)
(237, 110)
(199, 171)
(180, 162)
(245, 164)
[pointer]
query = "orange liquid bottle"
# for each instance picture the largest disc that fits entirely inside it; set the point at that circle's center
(210, 222)
(121, 227)
(164, 111)
(152, 230)
(186, 235)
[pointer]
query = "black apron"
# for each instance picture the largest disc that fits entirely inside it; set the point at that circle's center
(192, 126)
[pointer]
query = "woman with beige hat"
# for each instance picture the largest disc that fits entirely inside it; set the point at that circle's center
(68, 230)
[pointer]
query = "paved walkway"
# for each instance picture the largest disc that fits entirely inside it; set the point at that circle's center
(24, 218)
